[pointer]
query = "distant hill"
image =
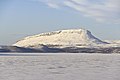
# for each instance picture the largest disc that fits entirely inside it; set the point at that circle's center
(64, 41)
(71, 37)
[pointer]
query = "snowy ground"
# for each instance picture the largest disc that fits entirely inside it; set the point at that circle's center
(60, 67)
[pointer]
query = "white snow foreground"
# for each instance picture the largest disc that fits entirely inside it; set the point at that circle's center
(71, 37)
(60, 67)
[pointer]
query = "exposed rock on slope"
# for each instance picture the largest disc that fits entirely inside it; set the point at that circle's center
(72, 37)
(42, 49)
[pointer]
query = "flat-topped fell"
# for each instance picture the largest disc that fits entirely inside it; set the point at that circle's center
(62, 37)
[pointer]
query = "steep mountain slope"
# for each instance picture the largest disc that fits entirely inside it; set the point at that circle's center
(113, 41)
(71, 37)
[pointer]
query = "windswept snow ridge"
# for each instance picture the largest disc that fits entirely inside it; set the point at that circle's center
(71, 37)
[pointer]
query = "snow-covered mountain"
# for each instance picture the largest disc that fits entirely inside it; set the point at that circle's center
(71, 37)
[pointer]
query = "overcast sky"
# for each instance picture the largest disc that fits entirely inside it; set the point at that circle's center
(20, 18)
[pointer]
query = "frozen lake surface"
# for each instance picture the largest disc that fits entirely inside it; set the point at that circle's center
(60, 67)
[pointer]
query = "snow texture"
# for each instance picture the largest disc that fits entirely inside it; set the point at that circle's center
(60, 67)
(71, 37)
